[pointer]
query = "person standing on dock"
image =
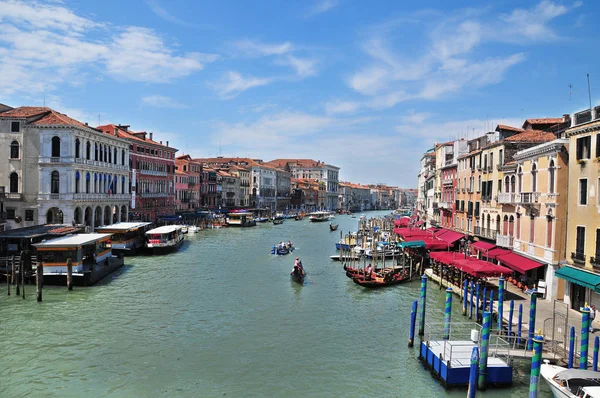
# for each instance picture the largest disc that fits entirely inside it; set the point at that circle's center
(592, 316)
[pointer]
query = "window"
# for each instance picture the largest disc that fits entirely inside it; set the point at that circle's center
(597, 252)
(531, 229)
(549, 220)
(583, 147)
(15, 127)
(95, 152)
(88, 148)
(10, 214)
(55, 147)
(14, 150)
(28, 215)
(14, 183)
(598, 145)
(518, 226)
(499, 186)
(520, 177)
(511, 226)
(580, 242)
(551, 173)
(55, 182)
(534, 178)
(583, 191)
(123, 157)
(77, 147)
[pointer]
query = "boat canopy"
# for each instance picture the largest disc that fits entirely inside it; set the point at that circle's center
(166, 229)
(72, 241)
(123, 226)
(569, 374)
(411, 244)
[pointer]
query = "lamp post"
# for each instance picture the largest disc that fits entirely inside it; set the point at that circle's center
(463, 244)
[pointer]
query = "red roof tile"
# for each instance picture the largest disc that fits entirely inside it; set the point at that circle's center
(54, 118)
(546, 120)
(129, 135)
(532, 136)
(299, 162)
(25, 111)
(510, 128)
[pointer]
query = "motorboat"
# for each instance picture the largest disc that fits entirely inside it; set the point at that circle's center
(127, 237)
(240, 219)
(319, 216)
(261, 219)
(571, 383)
(192, 229)
(164, 239)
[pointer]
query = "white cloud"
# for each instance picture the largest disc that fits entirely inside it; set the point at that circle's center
(252, 48)
(335, 107)
(160, 12)
(304, 67)
(161, 101)
(45, 45)
(322, 6)
(233, 83)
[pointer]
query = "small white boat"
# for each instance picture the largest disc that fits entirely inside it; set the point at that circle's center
(192, 229)
(319, 216)
(571, 383)
(164, 239)
(184, 229)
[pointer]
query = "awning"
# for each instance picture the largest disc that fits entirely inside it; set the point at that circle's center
(411, 245)
(450, 236)
(480, 268)
(419, 223)
(518, 263)
(580, 277)
(445, 257)
(482, 246)
(496, 252)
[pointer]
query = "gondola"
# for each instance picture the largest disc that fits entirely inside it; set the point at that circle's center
(376, 282)
(298, 277)
(299, 217)
(277, 221)
(333, 227)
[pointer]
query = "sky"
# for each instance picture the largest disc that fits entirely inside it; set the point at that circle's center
(367, 86)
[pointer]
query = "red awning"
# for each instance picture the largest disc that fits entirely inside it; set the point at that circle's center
(482, 246)
(518, 263)
(479, 268)
(419, 223)
(450, 236)
(402, 222)
(445, 257)
(407, 232)
(494, 253)
(436, 245)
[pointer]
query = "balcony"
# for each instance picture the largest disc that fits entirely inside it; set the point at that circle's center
(14, 195)
(489, 233)
(505, 240)
(153, 173)
(55, 196)
(527, 198)
(447, 181)
(595, 261)
(578, 258)
(100, 196)
(506, 198)
(445, 205)
(477, 231)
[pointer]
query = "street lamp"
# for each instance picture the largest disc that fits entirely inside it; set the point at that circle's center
(463, 244)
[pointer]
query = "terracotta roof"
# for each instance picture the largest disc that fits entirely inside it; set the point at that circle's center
(181, 172)
(532, 136)
(54, 118)
(299, 162)
(25, 111)
(122, 133)
(510, 128)
(546, 120)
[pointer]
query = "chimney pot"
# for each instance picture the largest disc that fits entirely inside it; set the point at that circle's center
(167, 143)
(151, 134)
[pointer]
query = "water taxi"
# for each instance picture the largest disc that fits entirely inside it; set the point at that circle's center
(127, 237)
(90, 254)
(319, 216)
(567, 383)
(164, 239)
(241, 219)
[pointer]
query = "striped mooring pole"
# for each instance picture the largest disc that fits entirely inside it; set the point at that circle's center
(500, 303)
(520, 322)
(511, 311)
(536, 364)
(471, 301)
(492, 308)
(532, 312)
(596, 347)
(422, 309)
(473, 373)
(485, 345)
(585, 337)
(477, 303)
(484, 303)
(571, 347)
(448, 313)
(465, 293)
(413, 321)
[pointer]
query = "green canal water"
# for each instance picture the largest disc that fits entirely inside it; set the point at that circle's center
(222, 318)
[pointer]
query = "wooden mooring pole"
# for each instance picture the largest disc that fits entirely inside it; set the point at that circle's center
(69, 274)
(39, 280)
(17, 274)
(22, 271)
(7, 277)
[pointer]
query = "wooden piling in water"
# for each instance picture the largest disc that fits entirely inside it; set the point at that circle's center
(39, 277)
(22, 270)
(7, 276)
(69, 274)
(17, 271)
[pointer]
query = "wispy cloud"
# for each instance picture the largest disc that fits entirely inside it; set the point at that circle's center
(448, 62)
(251, 48)
(321, 6)
(234, 83)
(304, 67)
(44, 45)
(161, 101)
(160, 12)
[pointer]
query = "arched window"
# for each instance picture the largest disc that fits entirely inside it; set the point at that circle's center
(87, 182)
(549, 220)
(534, 178)
(498, 224)
(77, 182)
(551, 172)
(531, 228)
(55, 182)
(115, 156)
(13, 183)
(88, 150)
(512, 184)
(14, 150)
(95, 151)
(507, 184)
(109, 156)
(505, 225)
(55, 147)
(77, 144)
(123, 184)
(520, 179)
(511, 226)
(123, 157)
(518, 232)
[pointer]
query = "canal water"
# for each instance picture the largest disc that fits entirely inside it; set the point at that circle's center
(222, 318)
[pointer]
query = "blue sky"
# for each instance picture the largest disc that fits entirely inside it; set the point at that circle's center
(366, 86)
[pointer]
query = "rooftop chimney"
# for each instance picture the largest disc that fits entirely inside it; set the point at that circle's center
(124, 127)
(151, 134)
(161, 142)
(167, 143)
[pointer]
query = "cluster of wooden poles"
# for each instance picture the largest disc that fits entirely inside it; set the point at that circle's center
(18, 270)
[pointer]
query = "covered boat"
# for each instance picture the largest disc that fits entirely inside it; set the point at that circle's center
(240, 219)
(382, 280)
(319, 216)
(571, 383)
(91, 258)
(164, 239)
(126, 237)
(333, 227)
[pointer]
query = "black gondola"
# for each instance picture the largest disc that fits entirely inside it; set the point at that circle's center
(333, 227)
(277, 221)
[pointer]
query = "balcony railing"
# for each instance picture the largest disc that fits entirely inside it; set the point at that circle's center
(528, 197)
(153, 173)
(505, 240)
(154, 194)
(506, 198)
(595, 261)
(101, 196)
(488, 233)
(477, 230)
(55, 196)
(447, 181)
(14, 195)
(578, 258)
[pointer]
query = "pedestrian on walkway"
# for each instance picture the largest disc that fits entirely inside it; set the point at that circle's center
(592, 316)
